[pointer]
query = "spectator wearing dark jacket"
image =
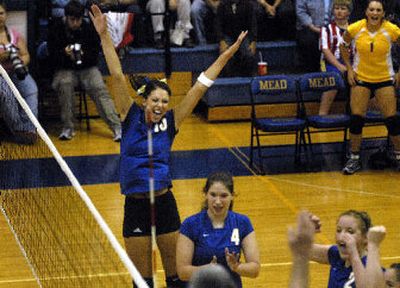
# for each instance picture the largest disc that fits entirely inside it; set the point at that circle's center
(74, 48)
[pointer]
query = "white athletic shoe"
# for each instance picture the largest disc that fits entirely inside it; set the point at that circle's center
(67, 134)
(117, 135)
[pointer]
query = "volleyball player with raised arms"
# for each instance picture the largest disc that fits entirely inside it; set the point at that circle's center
(371, 75)
(135, 162)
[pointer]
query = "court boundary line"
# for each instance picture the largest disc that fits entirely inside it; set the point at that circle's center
(21, 247)
(289, 204)
(263, 265)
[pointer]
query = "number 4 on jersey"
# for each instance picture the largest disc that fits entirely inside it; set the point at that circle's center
(235, 236)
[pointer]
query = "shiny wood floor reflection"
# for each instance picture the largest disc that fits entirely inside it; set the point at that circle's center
(270, 201)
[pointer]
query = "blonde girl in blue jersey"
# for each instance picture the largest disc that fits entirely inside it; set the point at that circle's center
(371, 75)
(347, 258)
(134, 162)
(375, 276)
(218, 235)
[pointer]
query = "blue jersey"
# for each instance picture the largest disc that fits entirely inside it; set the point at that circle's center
(134, 162)
(209, 241)
(340, 275)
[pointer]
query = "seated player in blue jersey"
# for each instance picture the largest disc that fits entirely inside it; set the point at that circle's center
(351, 234)
(135, 165)
(218, 235)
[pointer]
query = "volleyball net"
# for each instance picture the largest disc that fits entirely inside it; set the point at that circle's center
(61, 234)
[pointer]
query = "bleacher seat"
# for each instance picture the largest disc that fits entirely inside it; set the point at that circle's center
(275, 85)
(321, 82)
(280, 54)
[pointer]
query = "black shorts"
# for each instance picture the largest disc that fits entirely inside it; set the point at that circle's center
(137, 220)
(374, 86)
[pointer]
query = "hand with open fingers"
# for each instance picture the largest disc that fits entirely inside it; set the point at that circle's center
(376, 235)
(232, 259)
(300, 239)
(235, 46)
(99, 19)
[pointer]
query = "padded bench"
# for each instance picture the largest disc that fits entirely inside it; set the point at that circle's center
(229, 99)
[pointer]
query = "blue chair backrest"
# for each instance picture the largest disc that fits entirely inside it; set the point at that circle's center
(321, 81)
(273, 84)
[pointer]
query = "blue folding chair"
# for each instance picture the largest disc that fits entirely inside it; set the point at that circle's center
(262, 88)
(321, 82)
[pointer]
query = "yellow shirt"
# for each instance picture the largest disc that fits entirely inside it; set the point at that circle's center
(372, 57)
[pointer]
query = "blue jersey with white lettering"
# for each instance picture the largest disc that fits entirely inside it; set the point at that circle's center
(340, 275)
(134, 160)
(209, 241)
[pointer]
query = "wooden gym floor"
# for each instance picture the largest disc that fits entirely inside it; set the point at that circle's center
(271, 201)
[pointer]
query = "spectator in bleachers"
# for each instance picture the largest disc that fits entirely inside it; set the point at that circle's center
(74, 48)
(276, 20)
(203, 13)
(218, 235)
(331, 37)
(57, 7)
(312, 15)
(234, 16)
(181, 34)
(300, 241)
(358, 13)
(14, 57)
(371, 75)
(351, 235)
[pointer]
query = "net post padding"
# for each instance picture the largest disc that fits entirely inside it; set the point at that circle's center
(78, 188)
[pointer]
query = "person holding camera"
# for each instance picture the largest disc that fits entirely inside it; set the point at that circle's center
(74, 48)
(14, 57)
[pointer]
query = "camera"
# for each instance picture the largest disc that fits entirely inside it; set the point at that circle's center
(76, 53)
(19, 67)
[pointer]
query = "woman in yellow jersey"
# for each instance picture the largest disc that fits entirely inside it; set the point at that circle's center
(371, 75)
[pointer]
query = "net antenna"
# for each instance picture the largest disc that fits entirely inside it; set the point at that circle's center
(124, 258)
(152, 199)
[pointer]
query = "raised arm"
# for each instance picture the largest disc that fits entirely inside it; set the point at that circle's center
(122, 95)
(355, 261)
(375, 277)
(186, 106)
(300, 241)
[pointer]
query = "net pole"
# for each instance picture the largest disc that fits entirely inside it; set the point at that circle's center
(152, 200)
(75, 183)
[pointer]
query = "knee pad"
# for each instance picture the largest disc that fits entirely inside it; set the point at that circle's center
(356, 124)
(393, 125)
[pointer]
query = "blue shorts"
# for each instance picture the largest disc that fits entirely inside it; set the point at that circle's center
(137, 219)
